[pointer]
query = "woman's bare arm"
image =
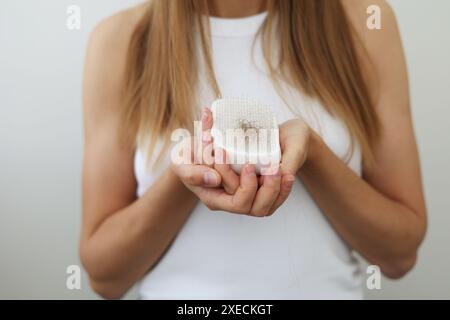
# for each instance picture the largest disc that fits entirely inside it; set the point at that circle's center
(382, 216)
(122, 237)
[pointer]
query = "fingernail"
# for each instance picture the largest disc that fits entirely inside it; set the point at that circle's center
(290, 178)
(289, 181)
(209, 178)
(204, 115)
(250, 169)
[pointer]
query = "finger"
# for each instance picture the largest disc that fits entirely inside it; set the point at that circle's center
(230, 180)
(260, 180)
(198, 175)
(266, 195)
(291, 160)
(216, 199)
(207, 157)
(207, 120)
(287, 182)
(245, 194)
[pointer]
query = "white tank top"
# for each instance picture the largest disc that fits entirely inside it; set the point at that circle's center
(295, 253)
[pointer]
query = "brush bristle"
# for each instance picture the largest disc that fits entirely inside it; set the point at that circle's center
(242, 113)
(255, 119)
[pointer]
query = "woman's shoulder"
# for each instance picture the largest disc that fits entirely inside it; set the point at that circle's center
(113, 33)
(359, 12)
(354, 6)
(105, 64)
(105, 61)
(379, 49)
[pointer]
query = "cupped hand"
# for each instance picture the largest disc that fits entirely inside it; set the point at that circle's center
(220, 188)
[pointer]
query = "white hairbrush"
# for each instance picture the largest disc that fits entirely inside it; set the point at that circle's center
(248, 132)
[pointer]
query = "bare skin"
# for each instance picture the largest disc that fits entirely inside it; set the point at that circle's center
(382, 216)
(129, 233)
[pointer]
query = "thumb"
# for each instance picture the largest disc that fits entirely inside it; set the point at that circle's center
(291, 160)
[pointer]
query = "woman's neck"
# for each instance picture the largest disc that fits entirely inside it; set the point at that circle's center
(236, 8)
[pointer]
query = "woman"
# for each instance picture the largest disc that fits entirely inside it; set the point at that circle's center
(350, 175)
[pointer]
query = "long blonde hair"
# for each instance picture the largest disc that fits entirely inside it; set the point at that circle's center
(317, 55)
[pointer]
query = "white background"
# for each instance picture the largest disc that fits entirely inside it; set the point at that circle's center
(41, 65)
